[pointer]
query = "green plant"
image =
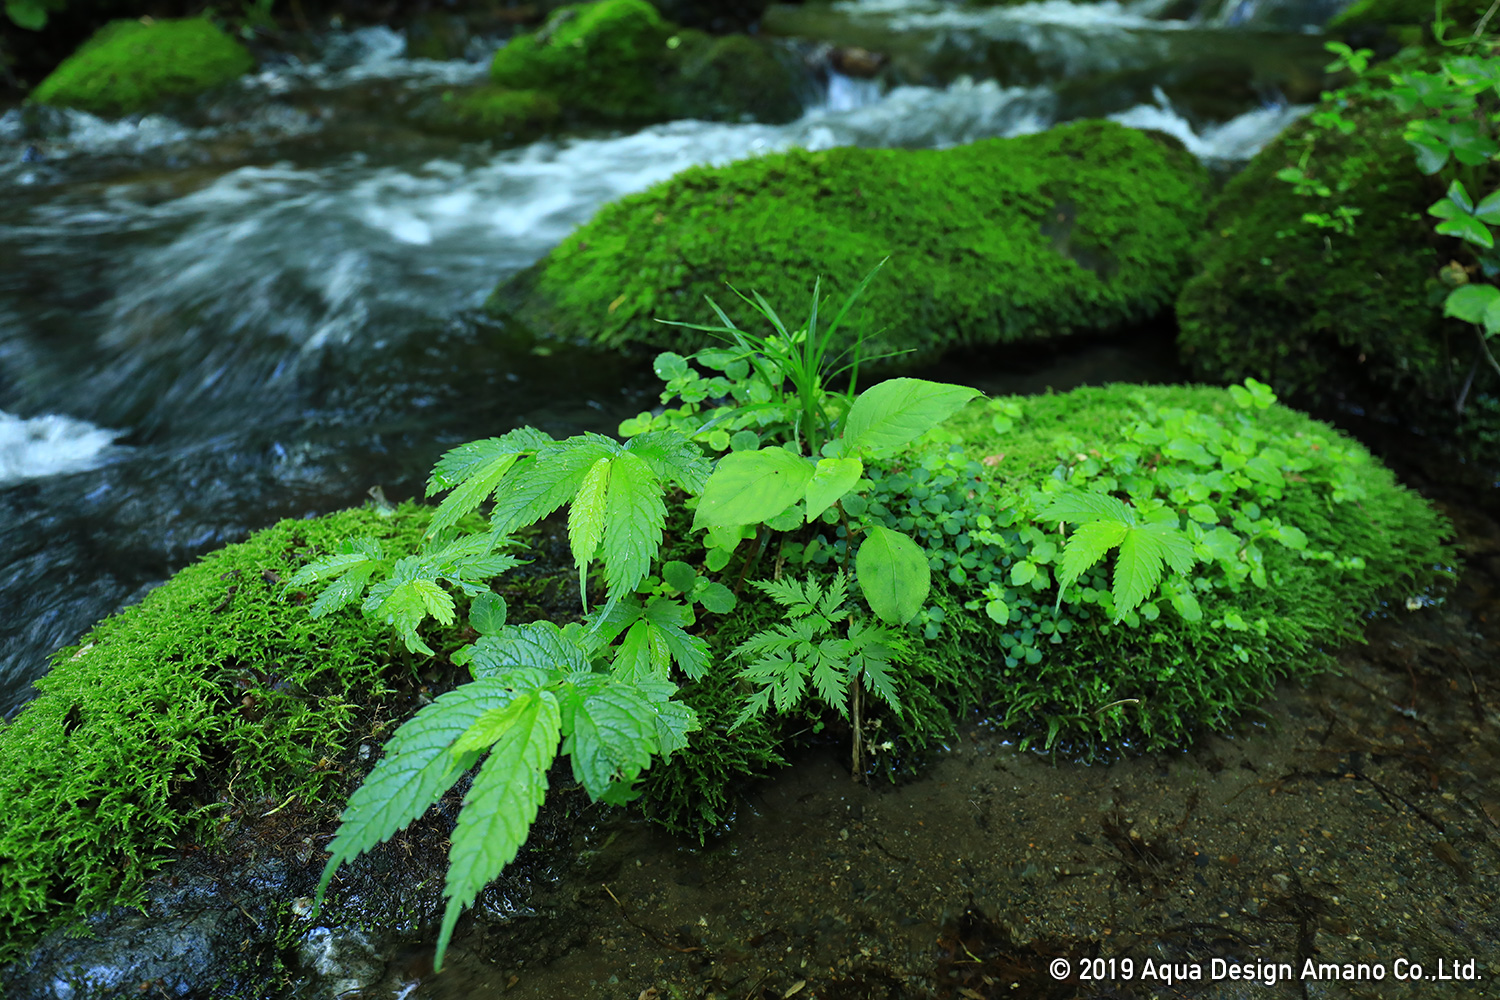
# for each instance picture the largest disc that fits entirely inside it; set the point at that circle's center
(31, 14)
(598, 691)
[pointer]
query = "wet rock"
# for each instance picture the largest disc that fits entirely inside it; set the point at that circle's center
(859, 63)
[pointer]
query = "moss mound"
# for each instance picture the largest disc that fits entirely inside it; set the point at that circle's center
(1322, 315)
(214, 673)
(1085, 227)
(490, 112)
(1298, 533)
(1465, 14)
(129, 65)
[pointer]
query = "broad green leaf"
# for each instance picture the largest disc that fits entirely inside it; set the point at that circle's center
(716, 598)
(1468, 229)
(28, 14)
(500, 807)
(1488, 210)
(748, 487)
(586, 521)
(416, 770)
(1022, 573)
(896, 412)
(611, 735)
(634, 517)
(832, 478)
(679, 576)
(893, 575)
(1470, 302)
(487, 614)
(674, 720)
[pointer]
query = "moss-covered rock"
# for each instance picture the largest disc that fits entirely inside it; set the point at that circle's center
(1407, 14)
(1086, 227)
(490, 112)
(1323, 315)
(618, 60)
(1298, 533)
(217, 672)
(129, 65)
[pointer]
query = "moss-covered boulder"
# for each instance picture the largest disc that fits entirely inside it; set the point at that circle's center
(136, 729)
(1296, 533)
(128, 66)
(618, 60)
(489, 112)
(1086, 227)
(1324, 315)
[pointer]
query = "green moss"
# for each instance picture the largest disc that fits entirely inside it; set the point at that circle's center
(729, 78)
(129, 65)
(215, 675)
(1407, 13)
(1074, 678)
(603, 57)
(491, 112)
(1322, 315)
(1082, 228)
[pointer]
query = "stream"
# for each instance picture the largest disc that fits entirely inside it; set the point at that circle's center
(268, 306)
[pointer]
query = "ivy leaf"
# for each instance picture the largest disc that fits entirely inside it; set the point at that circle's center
(898, 411)
(893, 575)
(501, 806)
(748, 487)
(832, 478)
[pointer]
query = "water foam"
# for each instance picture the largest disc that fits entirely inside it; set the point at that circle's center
(50, 445)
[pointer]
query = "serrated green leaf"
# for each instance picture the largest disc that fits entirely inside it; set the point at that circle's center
(611, 735)
(538, 486)
(1079, 507)
(500, 807)
(586, 521)
(893, 575)
(416, 770)
(748, 487)
(634, 517)
(642, 653)
(830, 678)
(343, 591)
(537, 644)
(672, 458)
(898, 411)
(832, 478)
(1087, 545)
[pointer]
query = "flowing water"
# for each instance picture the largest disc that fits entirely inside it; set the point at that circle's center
(267, 305)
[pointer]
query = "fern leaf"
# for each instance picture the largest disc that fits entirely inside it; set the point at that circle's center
(501, 805)
(830, 677)
(586, 521)
(875, 670)
(754, 705)
(418, 767)
(790, 594)
(634, 517)
(673, 458)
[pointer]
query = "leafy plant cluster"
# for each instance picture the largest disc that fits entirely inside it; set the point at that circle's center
(600, 691)
(1452, 107)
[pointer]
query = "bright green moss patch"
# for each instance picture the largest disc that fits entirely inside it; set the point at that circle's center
(215, 676)
(1317, 313)
(1086, 227)
(617, 60)
(1297, 533)
(129, 65)
(493, 112)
